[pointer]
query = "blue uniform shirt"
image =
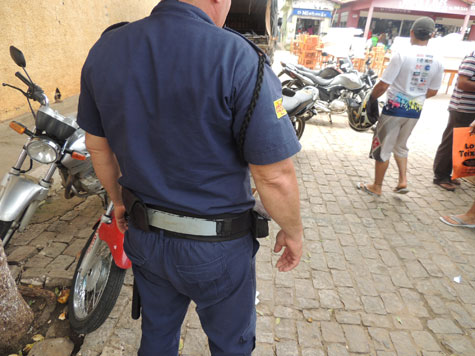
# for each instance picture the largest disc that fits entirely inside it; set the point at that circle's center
(170, 92)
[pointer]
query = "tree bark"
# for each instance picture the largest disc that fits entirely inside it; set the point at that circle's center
(15, 314)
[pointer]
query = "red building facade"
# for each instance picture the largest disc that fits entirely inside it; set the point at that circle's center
(395, 17)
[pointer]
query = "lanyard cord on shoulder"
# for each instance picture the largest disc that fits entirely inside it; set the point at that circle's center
(252, 106)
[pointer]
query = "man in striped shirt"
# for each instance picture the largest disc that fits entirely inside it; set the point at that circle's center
(461, 114)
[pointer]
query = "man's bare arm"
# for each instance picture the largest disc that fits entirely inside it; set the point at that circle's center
(430, 93)
(108, 171)
(379, 89)
(279, 193)
(464, 83)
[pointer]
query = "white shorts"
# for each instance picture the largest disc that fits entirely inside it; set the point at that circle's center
(392, 133)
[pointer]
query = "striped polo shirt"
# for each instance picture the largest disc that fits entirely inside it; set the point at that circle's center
(464, 101)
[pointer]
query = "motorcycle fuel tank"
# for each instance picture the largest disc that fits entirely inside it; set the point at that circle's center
(349, 81)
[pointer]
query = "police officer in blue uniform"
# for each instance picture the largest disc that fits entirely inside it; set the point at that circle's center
(164, 102)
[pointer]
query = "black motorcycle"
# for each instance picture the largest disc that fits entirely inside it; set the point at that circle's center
(300, 106)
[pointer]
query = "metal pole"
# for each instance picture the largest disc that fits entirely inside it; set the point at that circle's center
(400, 28)
(368, 21)
(465, 24)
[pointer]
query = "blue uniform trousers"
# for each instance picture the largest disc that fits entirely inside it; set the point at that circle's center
(218, 276)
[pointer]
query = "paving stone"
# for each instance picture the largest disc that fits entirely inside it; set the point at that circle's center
(366, 287)
(431, 267)
(459, 345)
(425, 341)
(402, 343)
(407, 322)
(342, 278)
(383, 283)
(332, 332)
(75, 248)
(195, 343)
(263, 349)
(317, 314)
(60, 262)
(380, 338)
(286, 348)
(337, 350)
(461, 315)
(345, 317)
(466, 293)
(436, 304)
(20, 254)
(42, 240)
(392, 302)
(373, 305)
(336, 261)
(357, 339)
(322, 280)
(54, 249)
(399, 277)
(443, 326)
(38, 261)
(310, 352)
(382, 321)
(285, 328)
(329, 299)
(34, 276)
(308, 335)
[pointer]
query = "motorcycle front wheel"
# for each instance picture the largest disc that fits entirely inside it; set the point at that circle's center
(96, 286)
(299, 125)
(5, 233)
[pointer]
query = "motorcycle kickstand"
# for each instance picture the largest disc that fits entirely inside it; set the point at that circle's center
(330, 118)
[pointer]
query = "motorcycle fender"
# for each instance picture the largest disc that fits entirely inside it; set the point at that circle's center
(16, 195)
(110, 234)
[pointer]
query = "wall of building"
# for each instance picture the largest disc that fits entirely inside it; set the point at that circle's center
(324, 22)
(55, 37)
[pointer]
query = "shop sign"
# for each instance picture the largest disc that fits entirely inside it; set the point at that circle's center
(312, 13)
(434, 5)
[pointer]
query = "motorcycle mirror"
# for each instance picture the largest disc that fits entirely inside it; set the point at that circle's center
(17, 56)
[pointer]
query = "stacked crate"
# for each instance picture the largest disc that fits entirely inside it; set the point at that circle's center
(377, 54)
(308, 55)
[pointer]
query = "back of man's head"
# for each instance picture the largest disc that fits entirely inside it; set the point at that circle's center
(423, 28)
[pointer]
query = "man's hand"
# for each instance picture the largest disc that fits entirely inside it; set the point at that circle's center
(292, 253)
(119, 212)
(472, 128)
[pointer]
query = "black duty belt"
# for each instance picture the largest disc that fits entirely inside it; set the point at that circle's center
(207, 229)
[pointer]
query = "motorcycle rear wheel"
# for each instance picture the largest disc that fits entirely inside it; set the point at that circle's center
(4, 228)
(96, 286)
(299, 126)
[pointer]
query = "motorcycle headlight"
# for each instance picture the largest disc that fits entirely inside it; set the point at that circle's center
(43, 151)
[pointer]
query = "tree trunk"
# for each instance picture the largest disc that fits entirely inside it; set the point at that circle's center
(15, 315)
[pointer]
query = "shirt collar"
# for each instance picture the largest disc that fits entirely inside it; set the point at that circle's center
(185, 8)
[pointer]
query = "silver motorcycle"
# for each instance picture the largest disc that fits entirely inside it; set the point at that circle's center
(57, 141)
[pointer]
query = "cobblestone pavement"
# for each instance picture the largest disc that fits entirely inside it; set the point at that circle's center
(377, 275)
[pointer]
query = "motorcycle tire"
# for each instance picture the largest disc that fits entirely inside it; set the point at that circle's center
(299, 126)
(95, 290)
(4, 227)
(351, 116)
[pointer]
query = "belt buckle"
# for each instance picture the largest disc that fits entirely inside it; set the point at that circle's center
(223, 227)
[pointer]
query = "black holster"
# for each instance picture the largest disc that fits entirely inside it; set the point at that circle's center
(136, 209)
(260, 221)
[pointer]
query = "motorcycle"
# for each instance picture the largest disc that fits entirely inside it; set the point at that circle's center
(336, 90)
(300, 106)
(57, 141)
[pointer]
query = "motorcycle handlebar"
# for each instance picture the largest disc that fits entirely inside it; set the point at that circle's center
(23, 79)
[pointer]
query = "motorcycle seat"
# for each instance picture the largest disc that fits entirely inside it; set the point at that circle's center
(290, 103)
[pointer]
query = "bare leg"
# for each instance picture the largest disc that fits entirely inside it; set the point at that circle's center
(402, 167)
(379, 172)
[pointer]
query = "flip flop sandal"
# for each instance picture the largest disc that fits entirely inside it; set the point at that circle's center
(460, 222)
(401, 190)
(364, 188)
(447, 186)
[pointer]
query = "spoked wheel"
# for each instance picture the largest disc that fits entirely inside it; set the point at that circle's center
(6, 232)
(299, 125)
(96, 286)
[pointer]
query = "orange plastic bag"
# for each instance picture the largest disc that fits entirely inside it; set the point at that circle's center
(463, 153)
